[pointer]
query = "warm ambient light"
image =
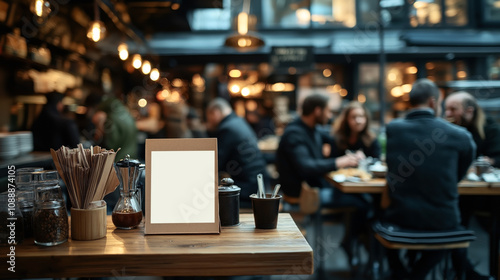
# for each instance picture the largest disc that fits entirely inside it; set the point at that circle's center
(177, 83)
(155, 74)
(245, 92)
(142, 103)
(235, 73)
(123, 51)
(303, 16)
(406, 88)
(235, 88)
(41, 8)
(96, 31)
(137, 61)
(361, 98)
(461, 74)
(162, 94)
(327, 73)
(397, 91)
(146, 67)
(411, 70)
(242, 23)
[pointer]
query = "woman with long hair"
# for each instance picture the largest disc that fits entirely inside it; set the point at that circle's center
(351, 132)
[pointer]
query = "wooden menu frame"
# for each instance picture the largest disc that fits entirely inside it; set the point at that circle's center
(181, 186)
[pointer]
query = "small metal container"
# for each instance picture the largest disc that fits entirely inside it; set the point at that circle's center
(229, 203)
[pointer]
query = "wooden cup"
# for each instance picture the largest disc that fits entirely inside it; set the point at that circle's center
(88, 224)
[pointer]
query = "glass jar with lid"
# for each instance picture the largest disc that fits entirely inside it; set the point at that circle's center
(25, 194)
(50, 218)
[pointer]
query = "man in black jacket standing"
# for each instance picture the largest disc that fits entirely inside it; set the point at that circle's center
(238, 153)
(426, 158)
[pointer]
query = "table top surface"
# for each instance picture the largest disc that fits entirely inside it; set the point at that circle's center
(377, 185)
(237, 250)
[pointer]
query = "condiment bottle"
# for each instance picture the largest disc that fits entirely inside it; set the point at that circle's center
(50, 218)
(127, 213)
(229, 203)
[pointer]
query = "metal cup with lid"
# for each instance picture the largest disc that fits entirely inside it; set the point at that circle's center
(229, 202)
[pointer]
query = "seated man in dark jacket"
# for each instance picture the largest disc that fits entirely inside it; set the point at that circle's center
(300, 159)
(426, 158)
(238, 153)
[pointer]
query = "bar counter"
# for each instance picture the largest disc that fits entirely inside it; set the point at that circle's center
(237, 250)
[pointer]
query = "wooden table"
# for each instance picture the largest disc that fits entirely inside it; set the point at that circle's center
(378, 185)
(238, 250)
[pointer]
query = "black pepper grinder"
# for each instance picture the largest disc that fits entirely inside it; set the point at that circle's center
(229, 203)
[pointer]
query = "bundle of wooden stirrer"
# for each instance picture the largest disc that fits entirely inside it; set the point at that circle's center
(87, 173)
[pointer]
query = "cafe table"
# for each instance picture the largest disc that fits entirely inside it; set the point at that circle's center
(237, 250)
(465, 187)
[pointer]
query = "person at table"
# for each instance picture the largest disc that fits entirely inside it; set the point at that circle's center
(351, 132)
(51, 129)
(239, 156)
(462, 109)
(426, 158)
(300, 159)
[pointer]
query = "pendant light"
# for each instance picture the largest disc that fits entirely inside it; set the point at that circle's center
(243, 39)
(97, 30)
(41, 9)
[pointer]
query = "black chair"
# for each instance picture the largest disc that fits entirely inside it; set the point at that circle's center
(396, 238)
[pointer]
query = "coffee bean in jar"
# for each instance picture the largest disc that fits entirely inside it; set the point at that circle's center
(50, 223)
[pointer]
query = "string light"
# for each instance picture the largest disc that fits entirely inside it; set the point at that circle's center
(123, 51)
(146, 67)
(155, 74)
(137, 61)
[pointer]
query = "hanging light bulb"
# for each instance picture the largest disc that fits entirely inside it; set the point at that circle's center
(244, 39)
(97, 30)
(146, 67)
(242, 23)
(155, 74)
(41, 9)
(137, 61)
(122, 51)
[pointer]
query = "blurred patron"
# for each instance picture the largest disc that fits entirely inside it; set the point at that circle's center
(51, 129)
(351, 132)
(300, 152)
(114, 126)
(238, 154)
(462, 109)
(426, 158)
(300, 159)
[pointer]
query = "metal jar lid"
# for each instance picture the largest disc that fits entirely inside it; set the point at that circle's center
(227, 186)
(127, 162)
